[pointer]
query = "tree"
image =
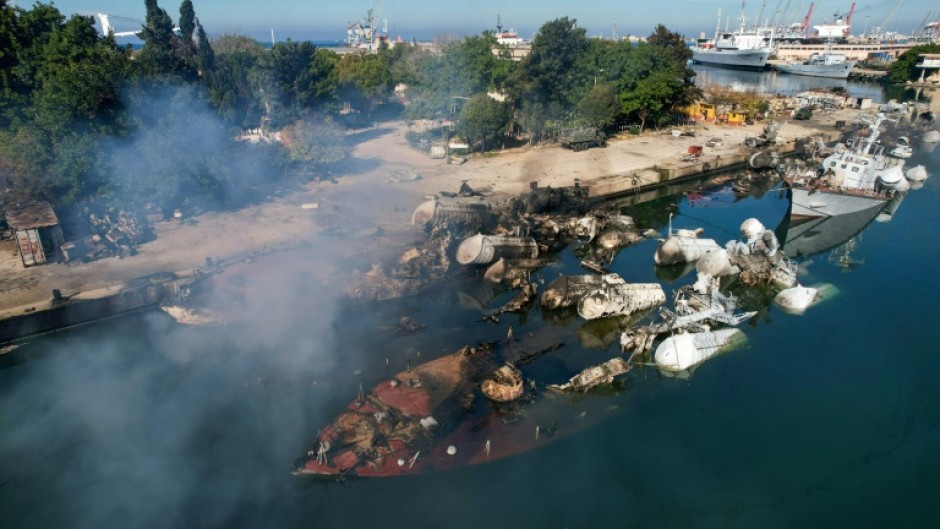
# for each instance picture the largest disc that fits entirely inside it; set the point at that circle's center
(484, 119)
(291, 78)
(674, 42)
(158, 56)
(187, 30)
(314, 143)
(364, 80)
(205, 56)
(600, 106)
(232, 89)
(652, 97)
(905, 68)
(551, 67)
(550, 81)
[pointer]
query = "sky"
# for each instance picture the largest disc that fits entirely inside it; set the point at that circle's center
(425, 19)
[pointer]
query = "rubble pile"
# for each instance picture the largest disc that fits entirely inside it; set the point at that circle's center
(111, 233)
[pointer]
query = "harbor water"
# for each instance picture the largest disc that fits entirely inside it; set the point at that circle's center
(829, 419)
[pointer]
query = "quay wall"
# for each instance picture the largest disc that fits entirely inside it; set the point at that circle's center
(86, 307)
(663, 175)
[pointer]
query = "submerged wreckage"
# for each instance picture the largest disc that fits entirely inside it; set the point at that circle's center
(477, 405)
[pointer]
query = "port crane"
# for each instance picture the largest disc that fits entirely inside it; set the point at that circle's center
(877, 33)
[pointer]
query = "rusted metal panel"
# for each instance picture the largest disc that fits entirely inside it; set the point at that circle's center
(30, 247)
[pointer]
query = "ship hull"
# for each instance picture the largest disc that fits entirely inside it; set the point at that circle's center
(821, 203)
(804, 237)
(739, 59)
(829, 71)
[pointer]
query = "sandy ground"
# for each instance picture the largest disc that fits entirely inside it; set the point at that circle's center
(363, 203)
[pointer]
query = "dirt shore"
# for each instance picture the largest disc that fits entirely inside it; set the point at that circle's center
(367, 200)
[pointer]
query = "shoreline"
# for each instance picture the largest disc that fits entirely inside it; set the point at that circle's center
(366, 216)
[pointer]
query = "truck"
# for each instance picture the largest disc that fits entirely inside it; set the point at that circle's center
(581, 138)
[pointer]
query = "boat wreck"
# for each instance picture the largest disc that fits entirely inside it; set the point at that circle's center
(684, 351)
(567, 291)
(594, 376)
(386, 430)
(621, 300)
(505, 384)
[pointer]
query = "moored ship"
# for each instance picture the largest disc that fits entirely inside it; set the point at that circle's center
(847, 182)
(828, 64)
(742, 49)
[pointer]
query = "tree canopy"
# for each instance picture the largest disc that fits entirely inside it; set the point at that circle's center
(81, 116)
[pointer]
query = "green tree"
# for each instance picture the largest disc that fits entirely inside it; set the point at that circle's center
(159, 55)
(364, 80)
(674, 42)
(905, 68)
(187, 30)
(314, 143)
(550, 81)
(231, 89)
(483, 119)
(291, 78)
(653, 97)
(601, 106)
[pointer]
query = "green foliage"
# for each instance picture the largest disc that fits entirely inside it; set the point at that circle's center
(187, 30)
(161, 53)
(652, 97)
(465, 68)
(674, 42)
(314, 143)
(230, 88)
(289, 78)
(363, 79)
(483, 119)
(601, 106)
(905, 68)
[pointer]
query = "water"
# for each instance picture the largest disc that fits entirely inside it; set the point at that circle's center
(829, 419)
(774, 82)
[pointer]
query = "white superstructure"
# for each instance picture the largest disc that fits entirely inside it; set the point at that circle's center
(748, 49)
(848, 183)
(827, 64)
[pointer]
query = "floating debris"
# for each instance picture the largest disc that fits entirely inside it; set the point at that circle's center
(437, 211)
(566, 291)
(918, 173)
(684, 351)
(621, 300)
(505, 384)
(188, 316)
(594, 376)
(486, 249)
(416, 407)
(510, 270)
(526, 294)
(693, 312)
(683, 246)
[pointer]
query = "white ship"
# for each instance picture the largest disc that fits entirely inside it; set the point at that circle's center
(848, 181)
(827, 64)
(738, 49)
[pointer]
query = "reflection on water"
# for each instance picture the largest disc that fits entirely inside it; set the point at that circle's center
(772, 82)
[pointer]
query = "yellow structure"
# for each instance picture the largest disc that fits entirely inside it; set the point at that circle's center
(701, 111)
(736, 118)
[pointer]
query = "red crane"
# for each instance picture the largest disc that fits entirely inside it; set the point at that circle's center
(848, 20)
(806, 20)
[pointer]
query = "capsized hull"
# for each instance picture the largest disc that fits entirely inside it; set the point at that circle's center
(469, 429)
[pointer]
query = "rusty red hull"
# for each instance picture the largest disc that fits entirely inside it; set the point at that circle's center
(360, 445)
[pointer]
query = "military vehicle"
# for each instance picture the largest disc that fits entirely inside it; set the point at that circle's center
(582, 138)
